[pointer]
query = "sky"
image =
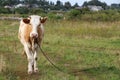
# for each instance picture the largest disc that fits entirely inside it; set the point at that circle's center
(80, 2)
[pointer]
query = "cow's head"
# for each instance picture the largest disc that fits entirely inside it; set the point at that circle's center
(35, 22)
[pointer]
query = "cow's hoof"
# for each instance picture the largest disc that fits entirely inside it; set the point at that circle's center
(36, 70)
(30, 72)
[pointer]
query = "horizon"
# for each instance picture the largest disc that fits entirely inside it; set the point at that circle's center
(108, 2)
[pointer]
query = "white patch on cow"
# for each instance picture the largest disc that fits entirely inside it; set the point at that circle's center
(35, 22)
(35, 63)
(30, 58)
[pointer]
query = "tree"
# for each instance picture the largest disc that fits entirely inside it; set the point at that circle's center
(85, 4)
(59, 5)
(75, 5)
(30, 1)
(115, 6)
(96, 3)
(8, 2)
(51, 3)
(67, 5)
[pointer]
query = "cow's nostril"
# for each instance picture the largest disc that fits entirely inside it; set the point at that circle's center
(34, 35)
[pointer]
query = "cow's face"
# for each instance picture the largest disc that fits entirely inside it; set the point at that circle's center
(35, 22)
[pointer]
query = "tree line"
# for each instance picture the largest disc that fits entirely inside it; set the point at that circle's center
(59, 5)
(95, 2)
(44, 4)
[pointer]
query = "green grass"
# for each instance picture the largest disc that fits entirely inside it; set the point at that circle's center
(87, 50)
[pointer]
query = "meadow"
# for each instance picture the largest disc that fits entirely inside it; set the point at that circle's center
(88, 50)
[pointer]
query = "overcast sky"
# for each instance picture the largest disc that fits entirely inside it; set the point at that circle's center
(80, 2)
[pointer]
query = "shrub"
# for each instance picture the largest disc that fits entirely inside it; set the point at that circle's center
(22, 10)
(55, 16)
(74, 14)
(5, 10)
(106, 15)
(36, 11)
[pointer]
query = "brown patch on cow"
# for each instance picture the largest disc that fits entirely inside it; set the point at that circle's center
(40, 35)
(28, 29)
(27, 21)
(43, 19)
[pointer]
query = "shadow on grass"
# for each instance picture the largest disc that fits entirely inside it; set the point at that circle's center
(98, 71)
(21, 75)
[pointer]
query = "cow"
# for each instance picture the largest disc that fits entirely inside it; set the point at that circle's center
(31, 34)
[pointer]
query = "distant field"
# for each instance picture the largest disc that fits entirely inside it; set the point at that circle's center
(87, 50)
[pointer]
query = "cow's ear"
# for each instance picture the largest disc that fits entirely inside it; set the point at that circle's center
(43, 19)
(27, 21)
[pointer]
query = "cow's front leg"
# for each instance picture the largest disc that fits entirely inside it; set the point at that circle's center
(30, 58)
(35, 62)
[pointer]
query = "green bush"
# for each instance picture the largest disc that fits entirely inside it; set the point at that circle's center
(106, 15)
(36, 11)
(55, 16)
(5, 10)
(74, 14)
(22, 10)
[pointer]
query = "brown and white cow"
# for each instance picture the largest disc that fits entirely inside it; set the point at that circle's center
(31, 34)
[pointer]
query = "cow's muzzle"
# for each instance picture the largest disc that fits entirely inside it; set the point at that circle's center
(34, 35)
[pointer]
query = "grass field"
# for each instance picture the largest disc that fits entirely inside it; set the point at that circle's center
(86, 50)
